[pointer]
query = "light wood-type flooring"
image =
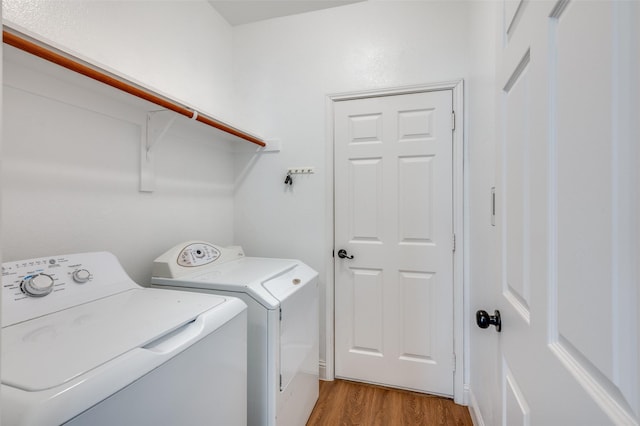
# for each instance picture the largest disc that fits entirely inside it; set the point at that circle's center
(345, 403)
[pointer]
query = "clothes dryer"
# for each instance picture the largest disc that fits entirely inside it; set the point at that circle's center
(282, 300)
(82, 344)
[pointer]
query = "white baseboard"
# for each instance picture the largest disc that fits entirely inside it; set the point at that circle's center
(323, 371)
(474, 409)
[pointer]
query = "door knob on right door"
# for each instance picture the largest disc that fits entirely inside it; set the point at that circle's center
(484, 320)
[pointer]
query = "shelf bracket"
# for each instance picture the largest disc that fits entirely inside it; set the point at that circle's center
(155, 127)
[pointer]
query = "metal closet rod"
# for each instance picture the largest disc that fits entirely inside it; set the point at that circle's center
(52, 55)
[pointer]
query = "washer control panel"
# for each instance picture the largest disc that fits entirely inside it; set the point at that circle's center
(35, 287)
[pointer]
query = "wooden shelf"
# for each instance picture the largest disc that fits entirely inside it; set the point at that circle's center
(69, 62)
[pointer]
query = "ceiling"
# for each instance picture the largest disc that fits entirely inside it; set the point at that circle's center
(238, 12)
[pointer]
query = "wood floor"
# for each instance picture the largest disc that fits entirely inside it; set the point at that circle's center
(344, 403)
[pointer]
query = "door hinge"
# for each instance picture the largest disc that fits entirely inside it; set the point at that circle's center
(453, 120)
(281, 382)
(453, 360)
(453, 242)
(280, 309)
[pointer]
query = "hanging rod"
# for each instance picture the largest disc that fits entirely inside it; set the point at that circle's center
(67, 61)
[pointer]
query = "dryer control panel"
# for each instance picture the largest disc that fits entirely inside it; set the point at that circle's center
(198, 254)
(193, 256)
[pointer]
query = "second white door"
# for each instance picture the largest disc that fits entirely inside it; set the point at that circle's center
(393, 214)
(567, 213)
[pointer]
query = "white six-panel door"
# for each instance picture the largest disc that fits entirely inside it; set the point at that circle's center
(393, 214)
(567, 218)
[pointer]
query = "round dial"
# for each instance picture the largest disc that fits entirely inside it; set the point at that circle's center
(37, 285)
(81, 276)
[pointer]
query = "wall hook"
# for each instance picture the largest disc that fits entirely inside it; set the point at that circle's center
(300, 170)
(288, 179)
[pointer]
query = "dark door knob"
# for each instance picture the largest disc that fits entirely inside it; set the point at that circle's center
(342, 254)
(484, 320)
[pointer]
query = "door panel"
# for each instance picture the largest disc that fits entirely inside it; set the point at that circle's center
(415, 213)
(393, 213)
(365, 199)
(584, 164)
(517, 110)
(568, 211)
(416, 289)
(516, 409)
(366, 302)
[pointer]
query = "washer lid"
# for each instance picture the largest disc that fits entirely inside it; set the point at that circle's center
(53, 349)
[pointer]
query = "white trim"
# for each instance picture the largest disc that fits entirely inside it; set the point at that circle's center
(402, 90)
(329, 361)
(474, 408)
(457, 87)
(458, 256)
(322, 369)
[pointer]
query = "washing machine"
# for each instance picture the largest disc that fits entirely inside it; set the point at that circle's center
(282, 300)
(82, 344)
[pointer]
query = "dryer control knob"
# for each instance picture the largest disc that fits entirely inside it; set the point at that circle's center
(37, 285)
(81, 276)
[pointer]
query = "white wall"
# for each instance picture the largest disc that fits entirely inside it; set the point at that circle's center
(71, 148)
(481, 274)
(70, 160)
(178, 47)
(284, 69)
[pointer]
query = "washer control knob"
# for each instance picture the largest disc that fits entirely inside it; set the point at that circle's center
(37, 285)
(81, 276)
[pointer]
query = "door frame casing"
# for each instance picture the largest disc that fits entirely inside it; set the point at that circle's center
(327, 368)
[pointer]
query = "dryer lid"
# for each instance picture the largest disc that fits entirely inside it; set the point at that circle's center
(246, 275)
(54, 349)
(284, 285)
(246, 271)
